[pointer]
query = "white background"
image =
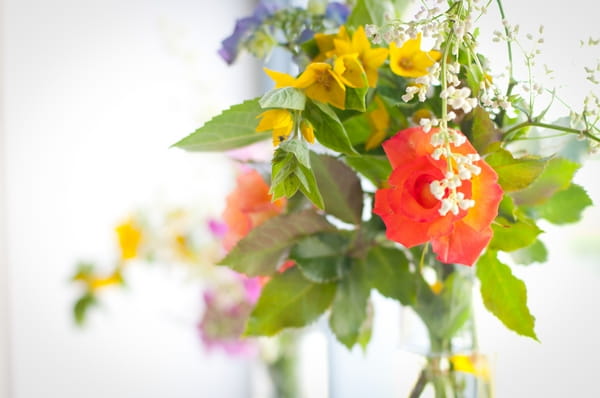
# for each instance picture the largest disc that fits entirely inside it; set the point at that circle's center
(92, 95)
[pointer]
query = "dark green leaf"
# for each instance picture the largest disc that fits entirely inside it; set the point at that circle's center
(261, 251)
(340, 188)
(504, 295)
(376, 168)
(565, 206)
(358, 128)
(329, 130)
(233, 128)
(515, 174)
(288, 300)
(322, 257)
(556, 176)
(349, 309)
(389, 273)
(480, 129)
(534, 253)
(286, 97)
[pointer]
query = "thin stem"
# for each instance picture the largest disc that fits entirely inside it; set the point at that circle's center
(551, 127)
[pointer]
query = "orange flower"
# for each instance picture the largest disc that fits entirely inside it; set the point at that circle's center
(411, 212)
(248, 206)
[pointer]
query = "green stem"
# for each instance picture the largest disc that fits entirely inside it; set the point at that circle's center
(551, 127)
(511, 80)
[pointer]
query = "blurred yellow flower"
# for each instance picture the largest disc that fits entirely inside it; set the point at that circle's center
(280, 121)
(281, 79)
(320, 82)
(325, 43)
(409, 60)
(370, 58)
(129, 235)
(379, 121)
(474, 364)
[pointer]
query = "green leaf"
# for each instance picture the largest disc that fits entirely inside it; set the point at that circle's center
(82, 306)
(286, 97)
(355, 98)
(288, 300)
(480, 129)
(340, 188)
(389, 273)
(349, 309)
(233, 128)
(299, 149)
(534, 253)
(376, 168)
(556, 176)
(504, 295)
(515, 174)
(309, 186)
(262, 250)
(511, 235)
(366, 330)
(565, 206)
(322, 257)
(358, 128)
(329, 130)
(370, 12)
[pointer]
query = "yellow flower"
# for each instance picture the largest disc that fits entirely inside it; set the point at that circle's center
(307, 130)
(280, 121)
(325, 43)
(379, 120)
(410, 61)
(320, 82)
(370, 58)
(350, 70)
(96, 283)
(281, 79)
(129, 235)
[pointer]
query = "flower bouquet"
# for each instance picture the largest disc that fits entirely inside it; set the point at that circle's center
(402, 163)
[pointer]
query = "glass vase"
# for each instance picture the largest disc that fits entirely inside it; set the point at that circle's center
(440, 327)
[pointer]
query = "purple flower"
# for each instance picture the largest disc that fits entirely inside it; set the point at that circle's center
(337, 12)
(244, 28)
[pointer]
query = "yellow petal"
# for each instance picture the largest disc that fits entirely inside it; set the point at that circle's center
(350, 71)
(321, 83)
(281, 79)
(129, 236)
(307, 130)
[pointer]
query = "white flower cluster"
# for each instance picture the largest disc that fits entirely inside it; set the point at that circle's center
(459, 98)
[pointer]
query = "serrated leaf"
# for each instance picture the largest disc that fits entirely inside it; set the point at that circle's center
(389, 273)
(565, 206)
(286, 97)
(515, 174)
(480, 129)
(288, 300)
(329, 130)
(261, 251)
(556, 176)
(349, 309)
(322, 257)
(233, 128)
(340, 188)
(374, 167)
(504, 295)
(512, 235)
(355, 98)
(534, 253)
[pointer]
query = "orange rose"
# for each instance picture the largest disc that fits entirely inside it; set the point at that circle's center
(412, 213)
(248, 206)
